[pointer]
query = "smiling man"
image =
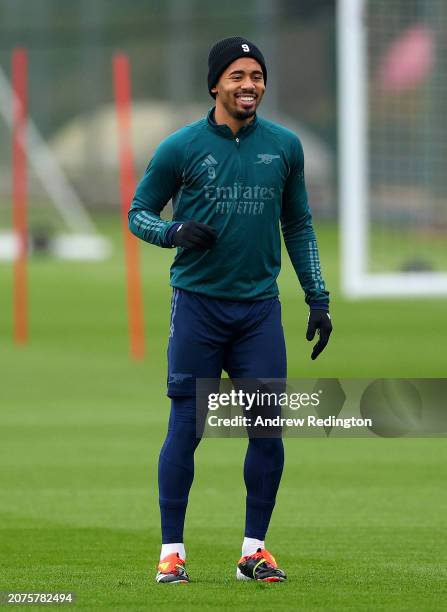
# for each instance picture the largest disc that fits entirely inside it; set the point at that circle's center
(234, 179)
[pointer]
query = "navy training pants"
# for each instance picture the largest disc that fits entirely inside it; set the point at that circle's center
(208, 335)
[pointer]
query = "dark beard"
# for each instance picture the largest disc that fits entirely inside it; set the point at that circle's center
(241, 115)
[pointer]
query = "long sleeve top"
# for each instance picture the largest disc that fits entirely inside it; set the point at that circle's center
(249, 187)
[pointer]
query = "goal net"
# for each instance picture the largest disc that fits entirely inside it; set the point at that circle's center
(393, 146)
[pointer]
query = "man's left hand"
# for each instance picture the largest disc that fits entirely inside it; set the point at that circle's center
(319, 321)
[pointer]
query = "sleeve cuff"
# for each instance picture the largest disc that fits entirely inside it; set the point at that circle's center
(170, 234)
(324, 305)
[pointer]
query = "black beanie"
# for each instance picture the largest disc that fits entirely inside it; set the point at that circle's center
(225, 51)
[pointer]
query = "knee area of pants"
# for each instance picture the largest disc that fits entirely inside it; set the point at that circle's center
(182, 435)
(268, 446)
(183, 410)
(182, 461)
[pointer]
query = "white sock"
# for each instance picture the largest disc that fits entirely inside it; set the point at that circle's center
(168, 549)
(251, 545)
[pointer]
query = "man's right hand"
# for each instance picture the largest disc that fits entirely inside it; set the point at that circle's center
(194, 235)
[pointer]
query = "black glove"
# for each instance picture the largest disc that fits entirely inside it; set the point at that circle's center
(194, 235)
(319, 321)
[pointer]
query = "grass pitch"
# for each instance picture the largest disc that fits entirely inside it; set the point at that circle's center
(359, 524)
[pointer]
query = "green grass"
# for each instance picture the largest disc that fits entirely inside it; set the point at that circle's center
(359, 523)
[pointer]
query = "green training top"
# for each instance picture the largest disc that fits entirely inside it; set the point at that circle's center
(245, 186)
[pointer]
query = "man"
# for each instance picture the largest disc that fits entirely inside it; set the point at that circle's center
(233, 179)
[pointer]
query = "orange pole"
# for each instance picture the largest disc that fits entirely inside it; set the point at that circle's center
(19, 69)
(121, 73)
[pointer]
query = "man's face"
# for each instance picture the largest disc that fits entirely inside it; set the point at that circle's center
(240, 88)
